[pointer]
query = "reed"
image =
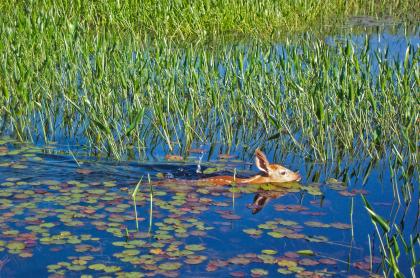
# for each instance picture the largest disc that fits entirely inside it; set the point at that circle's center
(323, 100)
(133, 196)
(391, 238)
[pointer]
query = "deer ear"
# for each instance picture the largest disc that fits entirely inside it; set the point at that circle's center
(261, 161)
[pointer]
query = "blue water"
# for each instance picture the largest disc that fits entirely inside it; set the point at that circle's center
(48, 178)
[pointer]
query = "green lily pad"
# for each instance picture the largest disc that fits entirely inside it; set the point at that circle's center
(287, 263)
(195, 247)
(306, 252)
(276, 234)
(131, 252)
(110, 269)
(269, 251)
(97, 266)
(170, 266)
(76, 267)
(53, 267)
(16, 245)
(284, 271)
(267, 259)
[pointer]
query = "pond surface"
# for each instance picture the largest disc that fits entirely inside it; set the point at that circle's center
(67, 216)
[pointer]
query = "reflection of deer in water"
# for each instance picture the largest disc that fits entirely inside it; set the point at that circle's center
(270, 173)
(262, 198)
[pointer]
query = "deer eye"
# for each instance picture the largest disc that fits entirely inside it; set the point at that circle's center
(283, 173)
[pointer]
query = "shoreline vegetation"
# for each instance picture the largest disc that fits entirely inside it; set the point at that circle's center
(194, 22)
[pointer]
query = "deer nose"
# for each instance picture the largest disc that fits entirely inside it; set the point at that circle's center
(298, 177)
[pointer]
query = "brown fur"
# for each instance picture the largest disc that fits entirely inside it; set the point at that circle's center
(271, 173)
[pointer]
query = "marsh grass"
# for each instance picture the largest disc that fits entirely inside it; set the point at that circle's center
(324, 100)
(133, 196)
(200, 21)
(391, 238)
(151, 203)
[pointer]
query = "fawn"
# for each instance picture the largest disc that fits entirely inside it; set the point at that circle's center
(270, 173)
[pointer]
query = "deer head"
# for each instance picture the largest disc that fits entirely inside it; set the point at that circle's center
(274, 173)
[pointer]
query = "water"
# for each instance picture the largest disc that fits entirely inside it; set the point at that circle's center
(59, 218)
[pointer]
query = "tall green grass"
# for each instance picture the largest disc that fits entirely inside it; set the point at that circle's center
(200, 21)
(324, 100)
(393, 242)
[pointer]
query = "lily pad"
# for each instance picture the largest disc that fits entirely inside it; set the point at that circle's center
(269, 251)
(195, 247)
(76, 267)
(287, 263)
(16, 245)
(253, 232)
(306, 252)
(259, 272)
(308, 262)
(110, 269)
(276, 234)
(170, 266)
(195, 259)
(97, 266)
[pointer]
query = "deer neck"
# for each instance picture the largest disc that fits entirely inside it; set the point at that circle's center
(255, 179)
(224, 180)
